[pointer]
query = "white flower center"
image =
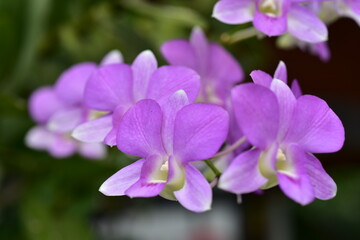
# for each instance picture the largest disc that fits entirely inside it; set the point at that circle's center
(270, 8)
(284, 165)
(161, 175)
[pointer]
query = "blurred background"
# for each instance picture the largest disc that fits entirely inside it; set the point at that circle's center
(42, 198)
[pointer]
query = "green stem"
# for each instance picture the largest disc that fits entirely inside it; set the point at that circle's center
(212, 167)
(239, 35)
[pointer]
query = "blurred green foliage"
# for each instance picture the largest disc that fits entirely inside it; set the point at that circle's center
(43, 198)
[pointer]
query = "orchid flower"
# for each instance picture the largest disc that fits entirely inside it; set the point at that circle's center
(285, 132)
(114, 88)
(59, 109)
(218, 70)
(168, 139)
(274, 17)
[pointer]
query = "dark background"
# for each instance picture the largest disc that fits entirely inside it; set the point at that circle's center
(46, 198)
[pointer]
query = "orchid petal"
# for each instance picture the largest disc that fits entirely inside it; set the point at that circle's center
(166, 80)
(271, 26)
(296, 89)
(196, 195)
(117, 184)
(93, 150)
(223, 70)
(235, 132)
(297, 187)
(257, 112)
(140, 130)
(110, 138)
(223, 65)
(39, 138)
(321, 50)
(281, 72)
(287, 101)
(143, 67)
(108, 87)
(261, 78)
(64, 121)
(71, 84)
(62, 146)
(43, 104)
(58, 146)
(324, 186)
(315, 127)
(179, 52)
(201, 48)
(148, 185)
(305, 25)
(233, 11)
(93, 131)
(144, 189)
(117, 115)
(354, 5)
(175, 102)
(112, 57)
(243, 175)
(200, 130)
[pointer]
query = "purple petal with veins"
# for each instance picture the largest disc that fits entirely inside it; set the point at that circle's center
(196, 195)
(243, 175)
(140, 130)
(200, 130)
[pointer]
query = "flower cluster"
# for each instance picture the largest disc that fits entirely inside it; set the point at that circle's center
(174, 116)
(297, 23)
(59, 109)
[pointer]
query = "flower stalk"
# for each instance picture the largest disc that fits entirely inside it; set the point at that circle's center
(238, 36)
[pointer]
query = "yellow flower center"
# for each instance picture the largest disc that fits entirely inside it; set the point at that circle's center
(284, 165)
(161, 175)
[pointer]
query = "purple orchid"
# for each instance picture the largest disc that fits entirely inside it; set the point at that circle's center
(59, 109)
(274, 17)
(168, 139)
(218, 70)
(115, 88)
(285, 132)
(47, 109)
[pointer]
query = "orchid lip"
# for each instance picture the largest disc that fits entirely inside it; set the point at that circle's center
(162, 174)
(283, 165)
